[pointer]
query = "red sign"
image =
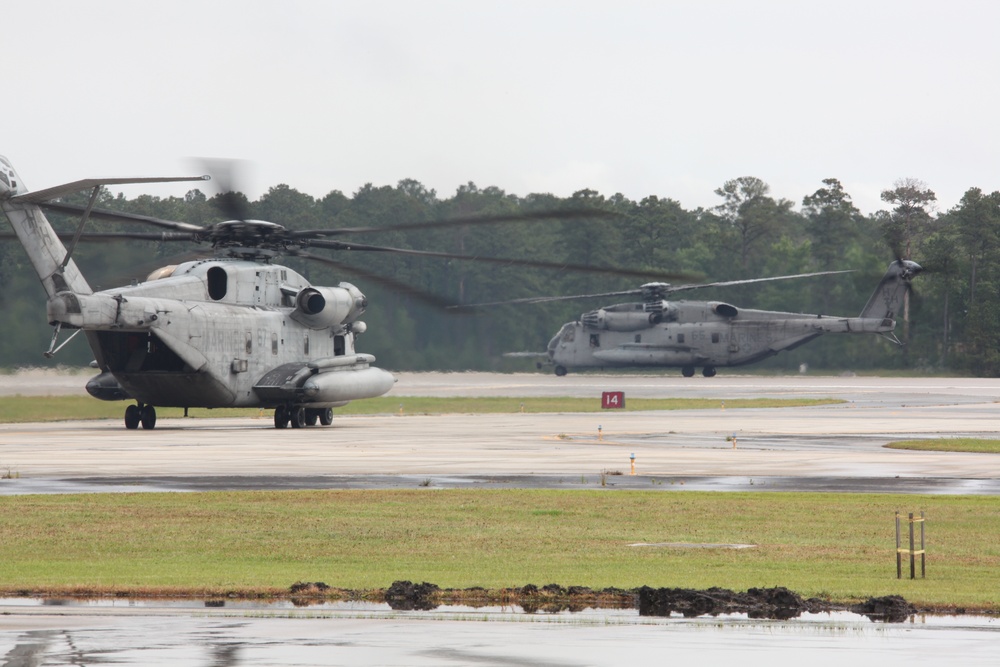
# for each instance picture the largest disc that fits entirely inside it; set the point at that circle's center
(613, 399)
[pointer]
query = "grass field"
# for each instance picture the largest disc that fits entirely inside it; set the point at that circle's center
(20, 409)
(838, 546)
(977, 445)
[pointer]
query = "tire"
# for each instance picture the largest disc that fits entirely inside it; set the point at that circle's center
(708, 371)
(560, 371)
(312, 416)
(132, 417)
(280, 417)
(298, 417)
(148, 417)
(326, 417)
(687, 371)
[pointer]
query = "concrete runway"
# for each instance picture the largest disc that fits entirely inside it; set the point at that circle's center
(828, 448)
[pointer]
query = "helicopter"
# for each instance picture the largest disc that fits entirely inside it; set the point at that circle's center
(657, 333)
(230, 329)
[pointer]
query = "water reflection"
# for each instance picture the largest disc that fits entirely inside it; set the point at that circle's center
(233, 633)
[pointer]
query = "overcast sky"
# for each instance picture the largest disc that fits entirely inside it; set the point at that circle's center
(644, 98)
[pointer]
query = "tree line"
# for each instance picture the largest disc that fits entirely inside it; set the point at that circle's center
(952, 323)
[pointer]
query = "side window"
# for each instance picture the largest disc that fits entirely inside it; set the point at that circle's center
(305, 345)
(274, 343)
(715, 338)
(249, 342)
(339, 346)
(595, 340)
(680, 338)
(638, 338)
(218, 283)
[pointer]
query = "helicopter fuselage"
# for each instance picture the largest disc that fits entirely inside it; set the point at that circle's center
(687, 334)
(209, 334)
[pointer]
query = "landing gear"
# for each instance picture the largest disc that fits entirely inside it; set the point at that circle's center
(708, 371)
(147, 415)
(300, 417)
(132, 417)
(560, 371)
(140, 414)
(687, 371)
(280, 417)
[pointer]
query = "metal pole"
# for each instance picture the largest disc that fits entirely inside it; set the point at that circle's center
(899, 555)
(923, 549)
(913, 557)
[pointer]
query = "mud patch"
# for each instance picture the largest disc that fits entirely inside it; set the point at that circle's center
(891, 609)
(777, 603)
(758, 603)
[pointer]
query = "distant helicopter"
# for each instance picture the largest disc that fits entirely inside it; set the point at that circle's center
(657, 333)
(231, 330)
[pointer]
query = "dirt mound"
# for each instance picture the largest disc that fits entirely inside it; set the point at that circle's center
(890, 608)
(778, 603)
(759, 603)
(408, 596)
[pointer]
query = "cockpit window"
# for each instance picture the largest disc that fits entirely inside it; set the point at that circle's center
(3, 177)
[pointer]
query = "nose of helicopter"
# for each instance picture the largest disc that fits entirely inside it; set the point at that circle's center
(10, 184)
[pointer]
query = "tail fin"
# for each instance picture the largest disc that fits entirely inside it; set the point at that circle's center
(887, 300)
(47, 253)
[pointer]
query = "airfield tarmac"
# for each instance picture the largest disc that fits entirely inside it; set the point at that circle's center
(824, 448)
(827, 448)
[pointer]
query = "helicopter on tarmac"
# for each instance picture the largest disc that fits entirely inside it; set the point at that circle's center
(657, 333)
(230, 330)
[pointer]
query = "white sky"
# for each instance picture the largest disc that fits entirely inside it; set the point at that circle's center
(643, 98)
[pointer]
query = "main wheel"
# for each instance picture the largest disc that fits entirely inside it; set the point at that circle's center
(312, 416)
(280, 417)
(708, 371)
(148, 417)
(132, 417)
(298, 417)
(326, 417)
(687, 371)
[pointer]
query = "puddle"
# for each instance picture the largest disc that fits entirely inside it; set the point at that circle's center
(234, 633)
(363, 609)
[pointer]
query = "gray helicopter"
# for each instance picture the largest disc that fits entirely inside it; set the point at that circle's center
(657, 333)
(229, 330)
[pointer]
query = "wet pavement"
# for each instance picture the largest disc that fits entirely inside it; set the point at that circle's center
(115, 632)
(623, 482)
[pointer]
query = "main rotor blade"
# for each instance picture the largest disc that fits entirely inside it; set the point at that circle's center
(669, 289)
(546, 299)
(538, 264)
(77, 186)
(457, 222)
(663, 289)
(119, 216)
(383, 281)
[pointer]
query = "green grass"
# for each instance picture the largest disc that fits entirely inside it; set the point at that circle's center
(976, 445)
(20, 409)
(837, 546)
